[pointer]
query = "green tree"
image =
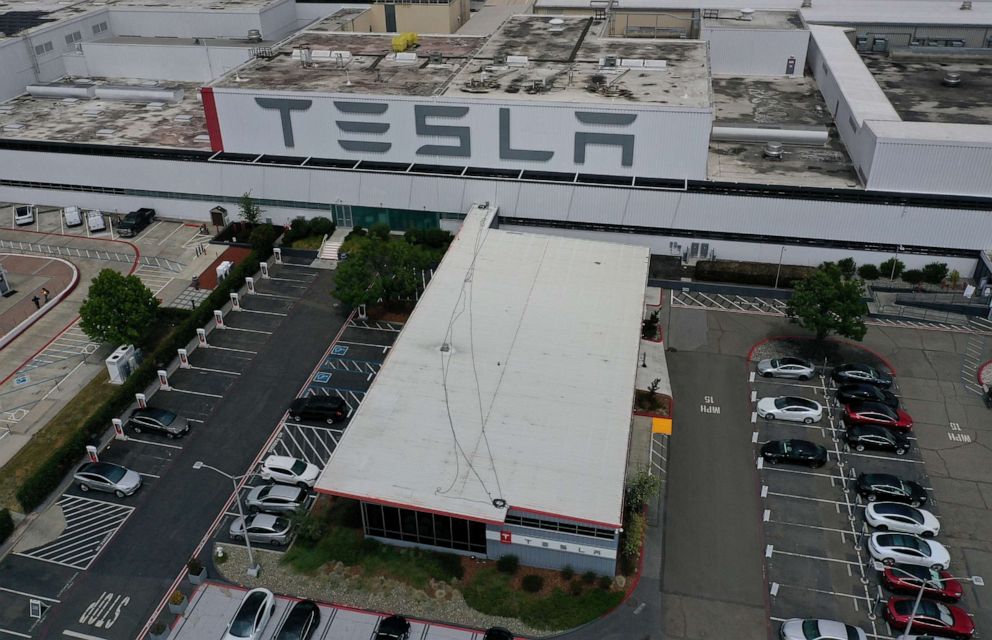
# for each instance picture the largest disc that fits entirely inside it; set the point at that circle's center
(356, 281)
(913, 276)
(263, 236)
(117, 308)
(868, 272)
(935, 272)
(847, 267)
(248, 209)
(824, 302)
(892, 268)
(379, 230)
(641, 487)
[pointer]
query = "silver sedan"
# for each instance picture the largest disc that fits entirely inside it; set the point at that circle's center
(813, 629)
(790, 408)
(787, 368)
(262, 527)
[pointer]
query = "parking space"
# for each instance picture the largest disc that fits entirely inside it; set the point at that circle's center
(213, 606)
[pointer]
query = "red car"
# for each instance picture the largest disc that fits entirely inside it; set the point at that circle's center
(931, 616)
(876, 413)
(895, 579)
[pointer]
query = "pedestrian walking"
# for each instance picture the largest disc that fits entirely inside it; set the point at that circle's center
(37, 302)
(46, 293)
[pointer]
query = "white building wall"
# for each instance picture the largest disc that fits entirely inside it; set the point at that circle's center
(278, 20)
(962, 166)
(194, 63)
(16, 71)
(183, 22)
(307, 12)
(756, 52)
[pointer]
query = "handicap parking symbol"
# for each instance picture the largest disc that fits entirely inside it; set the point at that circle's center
(322, 377)
(339, 350)
(22, 379)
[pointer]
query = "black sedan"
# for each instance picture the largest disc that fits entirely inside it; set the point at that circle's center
(884, 486)
(392, 628)
(861, 373)
(861, 391)
(328, 409)
(794, 452)
(301, 623)
(872, 436)
(498, 633)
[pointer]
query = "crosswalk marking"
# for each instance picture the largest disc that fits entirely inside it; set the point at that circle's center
(90, 524)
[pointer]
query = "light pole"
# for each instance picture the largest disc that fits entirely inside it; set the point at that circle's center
(253, 568)
(895, 261)
(976, 580)
(779, 270)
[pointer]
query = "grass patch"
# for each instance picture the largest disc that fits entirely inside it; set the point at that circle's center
(309, 242)
(53, 435)
(492, 593)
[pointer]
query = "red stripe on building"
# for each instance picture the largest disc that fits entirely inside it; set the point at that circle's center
(213, 123)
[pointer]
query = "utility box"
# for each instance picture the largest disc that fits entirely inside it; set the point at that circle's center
(121, 363)
(218, 217)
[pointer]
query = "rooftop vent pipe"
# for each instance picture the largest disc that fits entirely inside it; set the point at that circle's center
(807, 4)
(254, 35)
(966, 5)
(773, 150)
(951, 79)
(747, 14)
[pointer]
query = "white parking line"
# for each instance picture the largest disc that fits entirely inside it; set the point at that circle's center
(81, 636)
(231, 373)
(891, 459)
(194, 393)
(267, 313)
(29, 595)
(228, 327)
(812, 557)
(174, 231)
(232, 349)
(149, 475)
(804, 473)
(273, 295)
(823, 591)
(154, 444)
(288, 280)
(384, 347)
(16, 634)
(842, 532)
(795, 497)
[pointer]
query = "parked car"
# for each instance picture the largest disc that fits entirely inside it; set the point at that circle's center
(134, 222)
(871, 436)
(289, 470)
(73, 216)
(498, 633)
(392, 628)
(301, 622)
(94, 221)
(787, 368)
(794, 452)
(813, 629)
(946, 620)
(902, 518)
(890, 548)
(161, 420)
(849, 373)
(261, 527)
(328, 409)
(790, 408)
(860, 412)
(884, 486)
(105, 476)
(252, 615)
(936, 584)
(862, 391)
(276, 498)
(24, 214)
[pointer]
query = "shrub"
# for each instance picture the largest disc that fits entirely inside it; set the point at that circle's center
(262, 236)
(935, 272)
(640, 488)
(605, 583)
(177, 597)
(450, 564)
(575, 588)
(868, 272)
(194, 566)
(298, 228)
(886, 268)
(379, 230)
(508, 564)
(567, 572)
(913, 276)
(954, 278)
(356, 232)
(6, 525)
(630, 545)
(589, 577)
(320, 226)
(532, 583)
(847, 267)
(758, 273)
(309, 527)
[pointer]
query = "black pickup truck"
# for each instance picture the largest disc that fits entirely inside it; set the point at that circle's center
(134, 222)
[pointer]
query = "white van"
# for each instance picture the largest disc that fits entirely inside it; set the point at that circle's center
(24, 214)
(94, 221)
(73, 216)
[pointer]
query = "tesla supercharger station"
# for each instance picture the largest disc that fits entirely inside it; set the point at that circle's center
(91, 453)
(235, 302)
(201, 336)
(250, 282)
(119, 429)
(140, 397)
(219, 318)
(163, 379)
(361, 312)
(183, 359)
(278, 253)
(264, 266)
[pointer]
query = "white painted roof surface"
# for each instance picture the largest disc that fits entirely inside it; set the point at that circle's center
(932, 132)
(861, 91)
(544, 335)
(915, 12)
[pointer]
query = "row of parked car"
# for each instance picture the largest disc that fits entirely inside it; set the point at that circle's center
(903, 532)
(129, 226)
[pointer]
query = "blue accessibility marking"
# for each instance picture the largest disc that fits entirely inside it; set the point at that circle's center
(339, 350)
(323, 376)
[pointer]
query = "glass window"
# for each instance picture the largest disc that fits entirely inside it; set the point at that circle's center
(425, 528)
(373, 519)
(442, 531)
(391, 515)
(408, 524)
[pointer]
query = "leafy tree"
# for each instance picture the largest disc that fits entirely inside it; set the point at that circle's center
(263, 236)
(356, 281)
(117, 309)
(248, 209)
(824, 302)
(847, 267)
(379, 230)
(641, 488)
(868, 272)
(886, 268)
(321, 226)
(913, 276)
(935, 272)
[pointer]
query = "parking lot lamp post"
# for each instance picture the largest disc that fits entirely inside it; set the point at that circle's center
(895, 261)
(253, 568)
(976, 580)
(781, 254)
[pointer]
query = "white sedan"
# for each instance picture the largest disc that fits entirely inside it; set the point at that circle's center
(903, 548)
(894, 516)
(289, 470)
(252, 615)
(787, 368)
(790, 408)
(813, 629)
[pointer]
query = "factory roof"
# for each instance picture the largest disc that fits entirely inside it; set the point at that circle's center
(915, 12)
(763, 19)
(134, 115)
(528, 58)
(513, 379)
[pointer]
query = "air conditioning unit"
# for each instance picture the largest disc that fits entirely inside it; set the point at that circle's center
(609, 62)
(499, 60)
(435, 58)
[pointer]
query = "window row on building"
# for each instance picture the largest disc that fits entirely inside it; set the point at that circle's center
(424, 528)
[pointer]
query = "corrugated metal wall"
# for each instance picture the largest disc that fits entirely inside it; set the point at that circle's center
(756, 52)
(918, 166)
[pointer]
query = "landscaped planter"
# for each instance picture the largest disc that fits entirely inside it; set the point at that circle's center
(197, 573)
(159, 631)
(178, 602)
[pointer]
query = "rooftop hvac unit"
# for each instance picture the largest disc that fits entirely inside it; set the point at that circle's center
(608, 62)
(341, 56)
(517, 61)
(131, 93)
(773, 150)
(951, 79)
(966, 5)
(61, 90)
(406, 57)
(254, 35)
(747, 14)
(499, 60)
(435, 58)
(556, 25)
(807, 4)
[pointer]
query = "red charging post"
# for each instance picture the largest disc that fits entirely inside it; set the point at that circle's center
(163, 379)
(140, 397)
(250, 282)
(119, 429)
(183, 359)
(201, 336)
(91, 453)
(219, 319)
(235, 302)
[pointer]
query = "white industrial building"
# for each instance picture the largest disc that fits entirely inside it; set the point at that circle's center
(574, 123)
(499, 424)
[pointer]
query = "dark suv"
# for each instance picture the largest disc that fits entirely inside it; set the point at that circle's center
(884, 486)
(134, 222)
(323, 408)
(393, 628)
